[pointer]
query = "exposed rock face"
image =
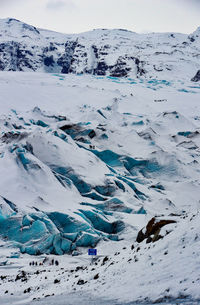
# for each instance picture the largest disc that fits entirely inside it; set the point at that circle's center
(152, 231)
(16, 57)
(112, 53)
(65, 61)
(196, 78)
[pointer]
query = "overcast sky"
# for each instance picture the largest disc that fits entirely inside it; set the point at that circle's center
(74, 16)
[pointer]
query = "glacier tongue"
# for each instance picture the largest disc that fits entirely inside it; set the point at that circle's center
(77, 163)
(49, 177)
(49, 173)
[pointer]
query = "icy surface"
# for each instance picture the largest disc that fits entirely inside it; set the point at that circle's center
(87, 162)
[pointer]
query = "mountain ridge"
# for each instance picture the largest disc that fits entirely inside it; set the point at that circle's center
(11, 19)
(115, 53)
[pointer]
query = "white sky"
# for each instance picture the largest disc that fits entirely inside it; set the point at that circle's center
(74, 16)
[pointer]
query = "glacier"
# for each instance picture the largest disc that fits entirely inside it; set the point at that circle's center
(66, 187)
(70, 174)
(88, 159)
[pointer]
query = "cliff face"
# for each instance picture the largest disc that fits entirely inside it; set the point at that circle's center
(115, 53)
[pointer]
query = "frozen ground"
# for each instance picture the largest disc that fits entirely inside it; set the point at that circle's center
(86, 162)
(85, 299)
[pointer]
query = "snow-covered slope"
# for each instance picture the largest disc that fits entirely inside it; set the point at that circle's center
(87, 161)
(116, 53)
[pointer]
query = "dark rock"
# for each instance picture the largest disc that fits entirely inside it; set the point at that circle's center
(21, 276)
(191, 38)
(92, 134)
(27, 290)
(49, 61)
(105, 260)
(79, 268)
(96, 276)
(81, 282)
(101, 68)
(11, 205)
(120, 69)
(152, 230)
(66, 59)
(196, 78)
(158, 186)
(73, 130)
(17, 57)
(52, 47)
(148, 240)
(3, 277)
(9, 136)
(139, 64)
(95, 50)
(141, 236)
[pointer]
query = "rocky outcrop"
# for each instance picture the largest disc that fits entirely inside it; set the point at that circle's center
(16, 57)
(152, 231)
(66, 59)
(196, 78)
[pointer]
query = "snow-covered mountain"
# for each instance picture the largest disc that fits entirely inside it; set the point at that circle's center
(115, 53)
